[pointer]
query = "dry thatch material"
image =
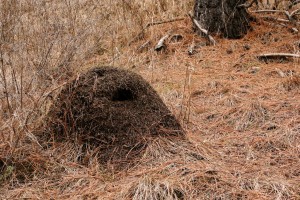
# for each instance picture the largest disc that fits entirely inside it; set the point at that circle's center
(291, 83)
(115, 110)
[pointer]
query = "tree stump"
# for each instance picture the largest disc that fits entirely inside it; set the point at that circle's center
(224, 17)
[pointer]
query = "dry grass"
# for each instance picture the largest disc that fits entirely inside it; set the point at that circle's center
(241, 115)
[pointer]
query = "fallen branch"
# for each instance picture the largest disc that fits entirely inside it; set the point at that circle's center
(277, 55)
(161, 43)
(139, 35)
(268, 11)
(290, 16)
(143, 46)
(273, 19)
(294, 30)
(163, 22)
(211, 39)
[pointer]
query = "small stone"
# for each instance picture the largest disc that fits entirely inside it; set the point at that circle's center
(294, 30)
(247, 47)
(254, 70)
(229, 51)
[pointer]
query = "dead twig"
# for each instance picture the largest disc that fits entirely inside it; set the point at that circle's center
(294, 30)
(144, 46)
(273, 19)
(161, 43)
(268, 11)
(277, 55)
(280, 73)
(164, 22)
(290, 16)
(139, 35)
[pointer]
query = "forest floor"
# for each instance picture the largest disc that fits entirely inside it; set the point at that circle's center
(241, 112)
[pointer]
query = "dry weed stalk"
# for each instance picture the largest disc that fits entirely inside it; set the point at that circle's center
(187, 94)
(247, 115)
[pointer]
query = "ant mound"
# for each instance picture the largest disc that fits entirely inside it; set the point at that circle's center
(113, 110)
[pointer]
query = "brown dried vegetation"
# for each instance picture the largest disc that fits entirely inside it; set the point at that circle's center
(241, 115)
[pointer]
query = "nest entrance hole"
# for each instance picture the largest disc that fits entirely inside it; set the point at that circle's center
(122, 94)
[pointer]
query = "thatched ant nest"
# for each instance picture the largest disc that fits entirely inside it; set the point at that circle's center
(113, 110)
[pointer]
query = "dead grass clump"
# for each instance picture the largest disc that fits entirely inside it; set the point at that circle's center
(247, 115)
(269, 145)
(177, 179)
(115, 110)
(291, 83)
(229, 100)
(22, 165)
(163, 149)
(20, 171)
(149, 188)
